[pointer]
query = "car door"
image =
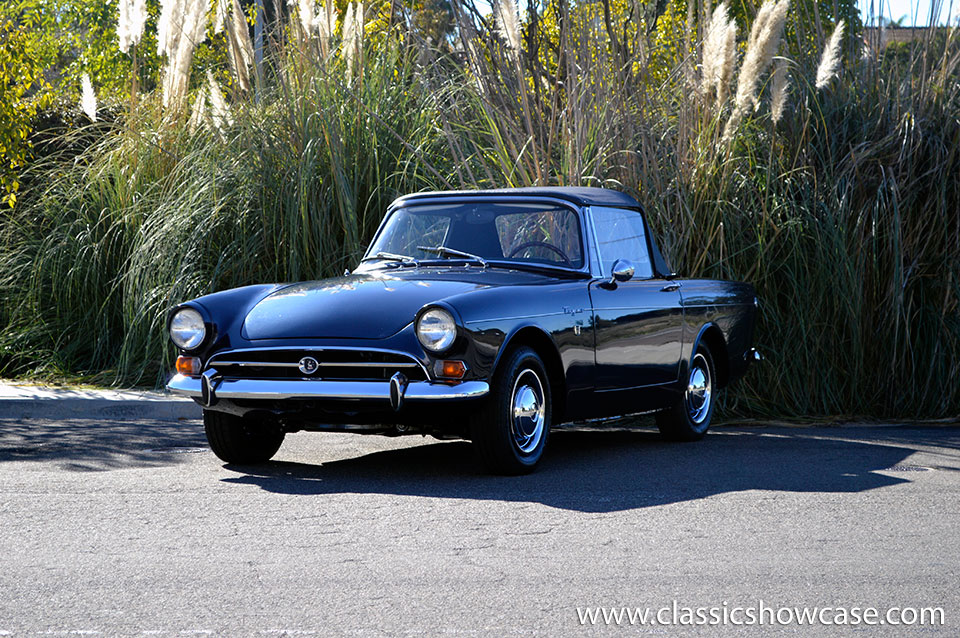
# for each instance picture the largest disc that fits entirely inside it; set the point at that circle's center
(638, 324)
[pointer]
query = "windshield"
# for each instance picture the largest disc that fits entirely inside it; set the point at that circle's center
(534, 233)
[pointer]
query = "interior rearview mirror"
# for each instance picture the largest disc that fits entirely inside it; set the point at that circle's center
(622, 270)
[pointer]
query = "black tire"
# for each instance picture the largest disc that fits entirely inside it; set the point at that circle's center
(237, 440)
(509, 445)
(689, 419)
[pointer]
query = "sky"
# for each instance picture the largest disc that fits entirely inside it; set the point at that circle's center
(917, 12)
(914, 12)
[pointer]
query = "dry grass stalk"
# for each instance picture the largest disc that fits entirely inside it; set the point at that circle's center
(830, 60)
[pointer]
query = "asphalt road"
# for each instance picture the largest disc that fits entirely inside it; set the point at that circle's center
(124, 526)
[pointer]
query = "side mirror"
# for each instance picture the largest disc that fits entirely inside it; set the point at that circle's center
(622, 271)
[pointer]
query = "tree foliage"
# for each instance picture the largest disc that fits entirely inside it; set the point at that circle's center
(22, 92)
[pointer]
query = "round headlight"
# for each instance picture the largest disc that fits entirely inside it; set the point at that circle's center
(436, 329)
(186, 329)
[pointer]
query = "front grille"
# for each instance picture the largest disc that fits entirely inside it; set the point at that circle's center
(334, 364)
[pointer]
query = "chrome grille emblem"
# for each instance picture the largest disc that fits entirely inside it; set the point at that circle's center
(308, 365)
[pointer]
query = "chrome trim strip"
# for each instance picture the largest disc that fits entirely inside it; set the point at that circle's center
(292, 348)
(364, 364)
(596, 242)
(536, 316)
(718, 305)
(320, 364)
(349, 390)
(262, 364)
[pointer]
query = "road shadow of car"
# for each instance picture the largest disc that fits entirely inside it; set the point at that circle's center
(100, 444)
(604, 471)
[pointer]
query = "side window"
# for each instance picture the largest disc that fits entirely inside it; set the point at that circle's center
(621, 235)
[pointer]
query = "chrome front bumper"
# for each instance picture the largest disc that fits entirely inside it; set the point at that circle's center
(319, 389)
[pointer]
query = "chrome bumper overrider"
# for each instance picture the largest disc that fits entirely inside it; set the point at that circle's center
(318, 389)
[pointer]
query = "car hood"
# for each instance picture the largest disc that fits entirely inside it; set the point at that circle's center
(354, 306)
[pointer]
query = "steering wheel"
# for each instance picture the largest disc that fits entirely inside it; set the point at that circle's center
(540, 244)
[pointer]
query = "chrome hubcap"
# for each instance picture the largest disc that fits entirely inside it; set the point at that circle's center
(699, 390)
(528, 409)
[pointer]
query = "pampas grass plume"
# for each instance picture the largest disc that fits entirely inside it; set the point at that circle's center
(198, 115)
(764, 41)
(169, 25)
(88, 99)
(221, 15)
(132, 16)
(325, 22)
(719, 56)
(830, 60)
(305, 9)
(509, 21)
(187, 30)
(352, 33)
(780, 87)
(219, 109)
(239, 45)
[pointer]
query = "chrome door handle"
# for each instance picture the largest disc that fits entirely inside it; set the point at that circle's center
(670, 288)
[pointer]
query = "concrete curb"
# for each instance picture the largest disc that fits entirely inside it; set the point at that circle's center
(50, 402)
(38, 402)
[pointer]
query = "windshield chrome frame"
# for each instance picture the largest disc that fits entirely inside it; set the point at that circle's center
(461, 198)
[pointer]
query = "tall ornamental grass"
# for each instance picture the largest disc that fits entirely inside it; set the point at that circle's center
(820, 170)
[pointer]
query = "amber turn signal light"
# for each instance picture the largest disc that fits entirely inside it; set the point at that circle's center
(451, 369)
(188, 366)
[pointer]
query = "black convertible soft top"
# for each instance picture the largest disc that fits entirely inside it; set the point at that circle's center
(580, 195)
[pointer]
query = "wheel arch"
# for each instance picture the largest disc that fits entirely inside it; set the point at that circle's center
(711, 336)
(539, 341)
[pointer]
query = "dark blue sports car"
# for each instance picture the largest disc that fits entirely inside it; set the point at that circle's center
(485, 315)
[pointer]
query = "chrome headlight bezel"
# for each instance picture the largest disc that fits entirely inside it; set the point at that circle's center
(436, 329)
(187, 328)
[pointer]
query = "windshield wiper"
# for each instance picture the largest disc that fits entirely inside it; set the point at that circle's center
(541, 268)
(443, 251)
(406, 259)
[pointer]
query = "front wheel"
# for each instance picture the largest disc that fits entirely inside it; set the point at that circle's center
(690, 418)
(510, 432)
(237, 440)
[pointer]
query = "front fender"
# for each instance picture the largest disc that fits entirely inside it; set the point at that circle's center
(224, 312)
(522, 333)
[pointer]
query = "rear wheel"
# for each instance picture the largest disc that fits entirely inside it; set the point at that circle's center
(235, 439)
(689, 420)
(510, 432)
